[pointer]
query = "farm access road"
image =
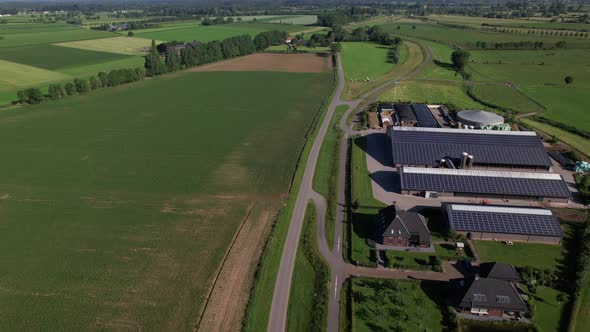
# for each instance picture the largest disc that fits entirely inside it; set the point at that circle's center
(339, 268)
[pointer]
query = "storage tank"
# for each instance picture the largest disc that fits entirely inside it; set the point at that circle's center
(478, 118)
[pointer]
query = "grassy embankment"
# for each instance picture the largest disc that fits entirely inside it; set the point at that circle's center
(325, 180)
(258, 310)
(132, 193)
(308, 301)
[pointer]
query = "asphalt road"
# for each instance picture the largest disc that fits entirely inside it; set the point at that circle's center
(340, 269)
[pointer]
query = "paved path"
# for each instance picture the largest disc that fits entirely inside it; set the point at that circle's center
(340, 269)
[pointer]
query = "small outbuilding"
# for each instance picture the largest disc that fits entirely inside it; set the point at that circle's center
(478, 118)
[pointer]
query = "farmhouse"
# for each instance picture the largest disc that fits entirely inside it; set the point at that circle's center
(402, 228)
(499, 271)
(430, 182)
(428, 147)
(506, 223)
(489, 296)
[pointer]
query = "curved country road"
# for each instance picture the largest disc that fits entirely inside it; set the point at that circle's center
(340, 269)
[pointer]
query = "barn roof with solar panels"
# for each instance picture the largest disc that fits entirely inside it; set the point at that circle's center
(502, 219)
(424, 116)
(481, 182)
(420, 146)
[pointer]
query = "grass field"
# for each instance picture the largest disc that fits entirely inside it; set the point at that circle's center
(467, 38)
(308, 283)
(433, 93)
(542, 256)
(299, 19)
(537, 22)
(54, 57)
(122, 45)
(396, 305)
(215, 32)
(51, 37)
(325, 180)
(14, 76)
(507, 97)
(132, 193)
(548, 309)
(364, 60)
(574, 140)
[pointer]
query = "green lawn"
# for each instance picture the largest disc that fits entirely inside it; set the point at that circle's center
(54, 57)
(364, 60)
(309, 294)
(542, 256)
(396, 305)
(325, 180)
(548, 309)
(131, 193)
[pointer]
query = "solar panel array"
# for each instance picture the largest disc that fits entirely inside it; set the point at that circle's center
(506, 186)
(505, 223)
(424, 116)
(423, 147)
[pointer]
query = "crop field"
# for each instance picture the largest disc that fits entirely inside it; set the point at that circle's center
(136, 202)
(51, 37)
(54, 57)
(467, 38)
(215, 32)
(121, 45)
(14, 75)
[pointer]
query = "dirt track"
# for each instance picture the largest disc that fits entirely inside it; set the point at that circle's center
(292, 63)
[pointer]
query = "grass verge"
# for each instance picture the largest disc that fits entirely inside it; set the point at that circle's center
(325, 180)
(309, 297)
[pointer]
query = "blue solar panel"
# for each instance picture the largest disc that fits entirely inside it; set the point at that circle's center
(427, 148)
(484, 185)
(424, 116)
(506, 223)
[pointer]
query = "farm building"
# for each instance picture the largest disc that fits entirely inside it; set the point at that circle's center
(476, 296)
(505, 223)
(434, 182)
(489, 149)
(405, 115)
(499, 271)
(424, 116)
(402, 228)
(478, 118)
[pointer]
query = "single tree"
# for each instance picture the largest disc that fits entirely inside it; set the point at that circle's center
(568, 79)
(172, 61)
(33, 96)
(335, 48)
(20, 95)
(130, 34)
(94, 83)
(81, 85)
(56, 91)
(459, 59)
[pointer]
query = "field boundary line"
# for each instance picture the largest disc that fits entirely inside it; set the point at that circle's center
(233, 242)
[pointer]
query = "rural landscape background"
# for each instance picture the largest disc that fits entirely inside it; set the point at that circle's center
(152, 154)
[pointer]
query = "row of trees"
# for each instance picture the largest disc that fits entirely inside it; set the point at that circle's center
(219, 20)
(270, 38)
(374, 34)
(197, 54)
(81, 86)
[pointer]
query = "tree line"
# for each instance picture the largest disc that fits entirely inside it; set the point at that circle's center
(80, 86)
(196, 54)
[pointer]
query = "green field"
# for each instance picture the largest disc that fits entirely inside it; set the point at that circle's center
(309, 297)
(542, 256)
(396, 305)
(548, 309)
(298, 19)
(132, 192)
(506, 97)
(215, 32)
(14, 76)
(51, 37)
(431, 93)
(54, 57)
(468, 37)
(364, 60)
(577, 142)
(122, 45)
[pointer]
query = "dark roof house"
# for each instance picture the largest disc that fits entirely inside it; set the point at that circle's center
(402, 228)
(490, 297)
(499, 271)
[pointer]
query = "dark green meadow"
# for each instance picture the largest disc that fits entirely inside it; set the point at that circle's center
(116, 207)
(55, 57)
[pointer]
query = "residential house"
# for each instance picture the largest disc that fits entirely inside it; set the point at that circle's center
(402, 228)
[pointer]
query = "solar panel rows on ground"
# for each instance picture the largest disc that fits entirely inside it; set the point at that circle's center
(414, 147)
(491, 185)
(424, 116)
(506, 223)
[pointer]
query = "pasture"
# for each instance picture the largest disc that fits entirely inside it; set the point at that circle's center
(133, 192)
(431, 93)
(364, 60)
(15, 76)
(121, 45)
(51, 37)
